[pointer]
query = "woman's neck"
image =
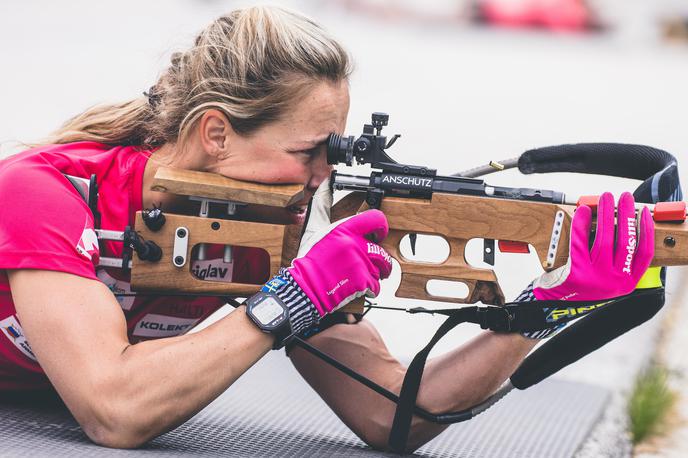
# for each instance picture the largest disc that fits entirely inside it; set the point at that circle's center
(162, 157)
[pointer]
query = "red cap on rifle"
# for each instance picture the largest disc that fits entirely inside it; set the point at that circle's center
(670, 211)
(509, 246)
(589, 201)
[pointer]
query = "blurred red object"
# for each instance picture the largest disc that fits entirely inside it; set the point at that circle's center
(559, 15)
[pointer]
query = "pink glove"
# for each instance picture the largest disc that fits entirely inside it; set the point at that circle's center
(336, 263)
(611, 268)
(343, 263)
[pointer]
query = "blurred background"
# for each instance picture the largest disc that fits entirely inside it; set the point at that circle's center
(464, 82)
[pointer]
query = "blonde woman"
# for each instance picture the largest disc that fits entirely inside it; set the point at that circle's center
(253, 99)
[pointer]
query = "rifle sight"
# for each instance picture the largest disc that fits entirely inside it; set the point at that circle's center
(368, 148)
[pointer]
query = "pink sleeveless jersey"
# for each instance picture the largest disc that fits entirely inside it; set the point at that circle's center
(45, 224)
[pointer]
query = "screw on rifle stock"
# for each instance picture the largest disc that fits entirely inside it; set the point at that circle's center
(154, 218)
(374, 198)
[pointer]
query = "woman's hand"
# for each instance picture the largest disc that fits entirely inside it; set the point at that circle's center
(345, 262)
(617, 260)
(336, 263)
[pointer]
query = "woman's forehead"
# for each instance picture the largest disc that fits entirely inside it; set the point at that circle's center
(322, 111)
(325, 102)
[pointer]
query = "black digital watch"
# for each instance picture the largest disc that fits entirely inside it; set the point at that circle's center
(270, 314)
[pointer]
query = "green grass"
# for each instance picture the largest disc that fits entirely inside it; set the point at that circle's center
(650, 403)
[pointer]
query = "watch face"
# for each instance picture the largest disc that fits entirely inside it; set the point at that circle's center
(268, 310)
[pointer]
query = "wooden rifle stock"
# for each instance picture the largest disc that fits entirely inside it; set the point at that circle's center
(280, 241)
(460, 218)
(454, 217)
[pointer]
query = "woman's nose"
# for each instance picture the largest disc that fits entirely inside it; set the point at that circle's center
(319, 172)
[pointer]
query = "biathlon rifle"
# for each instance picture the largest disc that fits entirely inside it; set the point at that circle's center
(416, 200)
(458, 208)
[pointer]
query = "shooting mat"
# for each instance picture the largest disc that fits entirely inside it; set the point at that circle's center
(263, 415)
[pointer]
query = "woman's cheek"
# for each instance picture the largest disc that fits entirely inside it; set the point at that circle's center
(289, 173)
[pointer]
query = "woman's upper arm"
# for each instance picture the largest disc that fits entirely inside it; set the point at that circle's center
(75, 328)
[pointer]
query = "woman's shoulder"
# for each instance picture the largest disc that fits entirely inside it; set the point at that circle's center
(28, 171)
(45, 151)
(46, 165)
(38, 178)
(29, 174)
(45, 222)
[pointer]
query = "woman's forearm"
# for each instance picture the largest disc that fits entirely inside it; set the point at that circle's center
(456, 380)
(479, 366)
(154, 378)
(466, 376)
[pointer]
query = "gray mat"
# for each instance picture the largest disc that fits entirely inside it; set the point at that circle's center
(548, 420)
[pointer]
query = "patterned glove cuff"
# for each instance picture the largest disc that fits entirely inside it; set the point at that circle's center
(302, 313)
(528, 296)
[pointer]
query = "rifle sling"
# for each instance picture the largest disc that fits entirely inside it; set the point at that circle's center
(519, 316)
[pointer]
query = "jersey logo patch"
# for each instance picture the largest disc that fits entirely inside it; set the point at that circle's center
(14, 332)
(154, 325)
(88, 244)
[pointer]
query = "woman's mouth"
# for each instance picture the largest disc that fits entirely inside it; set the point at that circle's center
(297, 209)
(298, 213)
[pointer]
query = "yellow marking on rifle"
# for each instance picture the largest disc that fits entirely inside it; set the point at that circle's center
(558, 314)
(650, 279)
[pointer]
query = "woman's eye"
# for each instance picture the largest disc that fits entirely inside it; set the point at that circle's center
(311, 153)
(308, 155)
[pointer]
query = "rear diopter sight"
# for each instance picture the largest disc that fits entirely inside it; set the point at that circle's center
(340, 149)
(368, 148)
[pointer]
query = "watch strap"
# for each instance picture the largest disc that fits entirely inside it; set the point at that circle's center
(302, 314)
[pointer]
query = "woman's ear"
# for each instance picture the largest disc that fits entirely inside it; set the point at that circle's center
(215, 132)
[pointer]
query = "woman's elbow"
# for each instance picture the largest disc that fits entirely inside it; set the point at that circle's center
(377, 429)
(111, 424)
(377, 438)
(113, 438)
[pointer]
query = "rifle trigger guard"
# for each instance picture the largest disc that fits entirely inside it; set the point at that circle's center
(496, 319)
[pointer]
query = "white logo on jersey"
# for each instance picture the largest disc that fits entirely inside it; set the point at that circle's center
(88, 243)
(14, 332)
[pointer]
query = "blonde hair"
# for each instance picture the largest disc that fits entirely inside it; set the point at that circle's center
(250, 64)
